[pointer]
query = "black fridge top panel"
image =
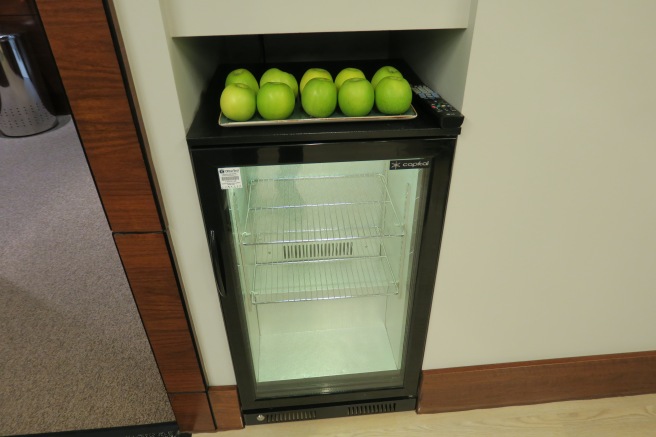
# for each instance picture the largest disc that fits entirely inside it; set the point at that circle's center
(205, 130)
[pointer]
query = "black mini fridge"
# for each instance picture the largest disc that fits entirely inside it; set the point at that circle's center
(324, 239)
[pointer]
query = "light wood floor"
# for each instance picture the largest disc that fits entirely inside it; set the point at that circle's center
(633, 416)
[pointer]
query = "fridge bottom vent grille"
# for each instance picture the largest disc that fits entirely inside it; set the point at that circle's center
(360, 410)
(356, 410)
(291, 416)
(318, 250)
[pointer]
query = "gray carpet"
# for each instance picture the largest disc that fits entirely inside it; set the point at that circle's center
(73, 351)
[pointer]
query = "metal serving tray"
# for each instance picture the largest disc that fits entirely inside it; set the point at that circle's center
(300, 117)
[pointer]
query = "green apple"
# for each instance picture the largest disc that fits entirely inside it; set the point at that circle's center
(293, 83)
(313, 73)
(242, 75)
(346, 74)
(356, 97)
(393, 95)
(319, 97)
(275, 101)
(277, 75)
(273, 75)
(384, 72)
(238, 102)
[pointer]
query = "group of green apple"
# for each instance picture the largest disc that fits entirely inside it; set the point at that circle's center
(274, 97)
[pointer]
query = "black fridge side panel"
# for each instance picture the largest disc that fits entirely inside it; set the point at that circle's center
(429, 251)
(218, 231)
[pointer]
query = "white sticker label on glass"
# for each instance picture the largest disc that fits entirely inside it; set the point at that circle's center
(230, 178)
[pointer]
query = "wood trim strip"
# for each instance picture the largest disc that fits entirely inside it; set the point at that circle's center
(149, 270)
(79, 36)
(226, 407)
(192, 412)
(533, 382)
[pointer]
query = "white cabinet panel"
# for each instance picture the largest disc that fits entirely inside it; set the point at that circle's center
(247, 17)
(549, 245)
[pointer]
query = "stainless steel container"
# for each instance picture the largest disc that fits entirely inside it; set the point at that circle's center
(22, 109)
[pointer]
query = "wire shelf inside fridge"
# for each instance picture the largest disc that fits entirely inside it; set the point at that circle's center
(323, 279)
(319, 209)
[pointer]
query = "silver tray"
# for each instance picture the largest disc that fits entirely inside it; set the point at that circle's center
(300, 117)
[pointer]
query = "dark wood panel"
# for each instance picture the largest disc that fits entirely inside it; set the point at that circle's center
(80, 39)
(533, 382)
(192, 412)
(225, 405)
(17, 7)
(149, 270)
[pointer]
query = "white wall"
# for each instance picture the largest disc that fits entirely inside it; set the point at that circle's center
(167, 78)
(445, 68)
(246, 17)
(154, 61)
(550, 242)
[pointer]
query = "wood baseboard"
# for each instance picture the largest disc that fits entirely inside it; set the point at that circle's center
(225, 405)
(534, 382)
(192, 412)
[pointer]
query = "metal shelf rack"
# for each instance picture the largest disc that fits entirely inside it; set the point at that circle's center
(323, 279)
(319, 238)
(319, 209)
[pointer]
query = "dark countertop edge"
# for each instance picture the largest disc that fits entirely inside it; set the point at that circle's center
(294, 138)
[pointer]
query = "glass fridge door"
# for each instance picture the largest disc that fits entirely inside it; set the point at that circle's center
(325, 258)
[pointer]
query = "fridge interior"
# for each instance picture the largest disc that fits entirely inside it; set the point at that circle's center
(325, 255)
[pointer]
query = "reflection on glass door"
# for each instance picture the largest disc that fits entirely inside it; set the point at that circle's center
(326, 257)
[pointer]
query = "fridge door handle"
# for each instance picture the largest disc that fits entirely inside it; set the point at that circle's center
(214, 255)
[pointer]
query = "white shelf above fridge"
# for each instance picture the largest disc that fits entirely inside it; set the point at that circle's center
(249, 17)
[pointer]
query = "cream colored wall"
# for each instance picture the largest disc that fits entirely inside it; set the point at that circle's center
(548, 248)
(153, 63)
(550, 241)
(445, 67)
(246, 17)
(167, 88)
